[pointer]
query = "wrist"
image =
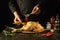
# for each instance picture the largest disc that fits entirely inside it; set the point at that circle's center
(16, 14)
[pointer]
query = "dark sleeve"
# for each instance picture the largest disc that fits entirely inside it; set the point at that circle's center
(42, 3)
(12, 6)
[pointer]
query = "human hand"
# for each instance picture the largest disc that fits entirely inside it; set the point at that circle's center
(35, 10)
(17, 19)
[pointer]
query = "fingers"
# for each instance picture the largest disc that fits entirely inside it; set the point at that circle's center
(35, 10)
(17, 20)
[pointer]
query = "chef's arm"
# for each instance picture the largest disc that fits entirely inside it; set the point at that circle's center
(12, 6)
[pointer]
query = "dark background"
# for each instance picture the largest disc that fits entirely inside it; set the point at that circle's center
(5, 13)
(6, 18)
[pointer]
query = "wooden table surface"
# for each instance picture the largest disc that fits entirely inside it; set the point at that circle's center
(30, 36)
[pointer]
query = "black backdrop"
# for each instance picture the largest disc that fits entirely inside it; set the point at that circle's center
(5, 17)
(5, 13)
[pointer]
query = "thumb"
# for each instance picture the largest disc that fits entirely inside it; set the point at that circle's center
(14, 20)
